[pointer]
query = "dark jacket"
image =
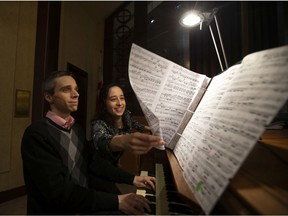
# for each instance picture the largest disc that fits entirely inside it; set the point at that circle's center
(51, 188)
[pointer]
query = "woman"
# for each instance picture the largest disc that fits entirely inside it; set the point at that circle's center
(112, 129)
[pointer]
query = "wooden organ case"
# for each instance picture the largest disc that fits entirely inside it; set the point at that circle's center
(259, 187)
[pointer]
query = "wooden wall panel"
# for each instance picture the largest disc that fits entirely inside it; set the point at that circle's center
(8, 37)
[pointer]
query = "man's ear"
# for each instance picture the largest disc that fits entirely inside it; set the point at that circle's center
(48, 97)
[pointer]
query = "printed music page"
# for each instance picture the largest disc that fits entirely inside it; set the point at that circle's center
(229, 120)
(164, 90)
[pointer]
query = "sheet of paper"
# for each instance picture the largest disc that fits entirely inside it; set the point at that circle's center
(231, 117)
(163, 87)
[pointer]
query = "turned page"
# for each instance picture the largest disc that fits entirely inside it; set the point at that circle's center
(164, 90)
(229, 120)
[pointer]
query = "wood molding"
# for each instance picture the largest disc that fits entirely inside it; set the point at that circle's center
(12, 194)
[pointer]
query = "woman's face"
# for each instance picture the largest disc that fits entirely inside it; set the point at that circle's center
(115, 102)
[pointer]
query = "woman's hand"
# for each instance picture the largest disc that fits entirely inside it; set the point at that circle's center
(136, 143)
(147, 182)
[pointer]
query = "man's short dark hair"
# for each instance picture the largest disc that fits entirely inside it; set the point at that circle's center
(49, 82)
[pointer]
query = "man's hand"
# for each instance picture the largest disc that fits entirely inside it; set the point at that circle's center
(133, 204)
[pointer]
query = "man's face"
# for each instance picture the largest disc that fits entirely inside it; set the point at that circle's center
(65, 97)
(115, 102)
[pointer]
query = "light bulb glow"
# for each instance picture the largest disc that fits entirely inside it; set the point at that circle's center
(191, 19)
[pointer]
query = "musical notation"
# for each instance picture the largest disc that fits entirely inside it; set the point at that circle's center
(211, 130)
(165, 88)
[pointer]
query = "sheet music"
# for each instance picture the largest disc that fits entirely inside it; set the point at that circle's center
(162, 88)
(232, 115)
(212, 142)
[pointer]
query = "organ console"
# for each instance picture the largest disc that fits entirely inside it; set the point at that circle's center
(166, 199)
(259, 187)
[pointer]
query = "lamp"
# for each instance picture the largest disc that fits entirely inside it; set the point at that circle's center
(191, 19)
(194, 18)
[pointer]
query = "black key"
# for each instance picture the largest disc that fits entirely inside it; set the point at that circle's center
(151, 198)
(181, 209)
(149, 191)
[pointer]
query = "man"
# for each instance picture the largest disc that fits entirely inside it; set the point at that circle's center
(56, 157)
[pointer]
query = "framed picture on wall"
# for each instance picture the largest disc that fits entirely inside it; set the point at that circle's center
(22, 103)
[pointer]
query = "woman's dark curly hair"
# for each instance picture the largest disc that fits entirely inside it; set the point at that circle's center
(102, 113)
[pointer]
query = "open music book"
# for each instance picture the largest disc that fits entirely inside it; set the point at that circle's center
(211, 124)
